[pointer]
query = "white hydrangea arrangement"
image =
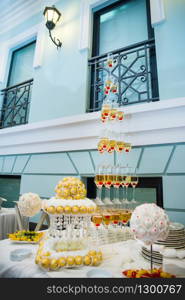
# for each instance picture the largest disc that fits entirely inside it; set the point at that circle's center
(29, 204)
(149, 223)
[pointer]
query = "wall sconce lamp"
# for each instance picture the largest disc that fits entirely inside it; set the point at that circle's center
(52, 16)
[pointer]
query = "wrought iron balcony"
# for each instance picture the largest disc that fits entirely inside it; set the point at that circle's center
(16, 103)
(135, 71)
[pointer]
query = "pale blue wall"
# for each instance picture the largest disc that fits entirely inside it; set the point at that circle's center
(60, 85)
(170, 44)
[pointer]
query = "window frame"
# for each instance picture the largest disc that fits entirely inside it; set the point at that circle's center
(91, 104)
(96, 24)
(12, 57)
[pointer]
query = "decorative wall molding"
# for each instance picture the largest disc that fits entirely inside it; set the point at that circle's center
(157, 16)
(157, 11)
(39, 48)
(154, 123)
(6, 48)
(86, 22)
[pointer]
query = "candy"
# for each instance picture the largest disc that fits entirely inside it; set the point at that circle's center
(37, 259)
(75, 209)
(45, 262)
(91, 209)
(67, 209)
(59, 209)
(99, 255)
(92, 253)
(54, 265)
(51, 210)
(70, 188)
(96, 261)
(83, 209)
(62, 261)
(78, 260)
(87, 260)
(70, 260)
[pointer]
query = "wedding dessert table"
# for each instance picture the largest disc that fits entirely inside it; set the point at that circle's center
(117, 258)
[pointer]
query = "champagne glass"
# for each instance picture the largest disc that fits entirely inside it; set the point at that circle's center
(114, 111)
(103, 141)
(112, 142)
(108, 183)
(120, 115)
(115, 218)
(107, 218)
(99, 181)
(127, 180)
(134, 183)
(97, 220)
(120, 145)
(128, 145)
(124, 184)
(125, 216)
(110, 60)
(117, 179)
(106, 108)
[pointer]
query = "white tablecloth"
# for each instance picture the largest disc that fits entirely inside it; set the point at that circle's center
(117, 257)
(8, 222)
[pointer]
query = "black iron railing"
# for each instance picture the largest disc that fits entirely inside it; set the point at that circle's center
(16, 103)
(134, 71)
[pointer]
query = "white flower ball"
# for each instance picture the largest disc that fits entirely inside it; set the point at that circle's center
(149, 223)
(29, 204)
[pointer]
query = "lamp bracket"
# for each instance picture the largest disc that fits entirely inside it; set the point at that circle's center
(57, 42)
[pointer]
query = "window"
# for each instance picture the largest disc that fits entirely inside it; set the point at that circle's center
(10, 189)
(21, 66)
(149, 189)
(15, 109)
(124, 29)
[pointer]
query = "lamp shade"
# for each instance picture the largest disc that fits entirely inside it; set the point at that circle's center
(52, 16)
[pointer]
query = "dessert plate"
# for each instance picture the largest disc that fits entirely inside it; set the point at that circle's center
(176, 226)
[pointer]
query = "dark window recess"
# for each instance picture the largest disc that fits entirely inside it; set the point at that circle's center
(16, 96)
(133, 46)
(149, 190)
(10, 189)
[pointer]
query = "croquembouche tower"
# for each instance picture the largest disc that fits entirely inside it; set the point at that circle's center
(68, 242)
